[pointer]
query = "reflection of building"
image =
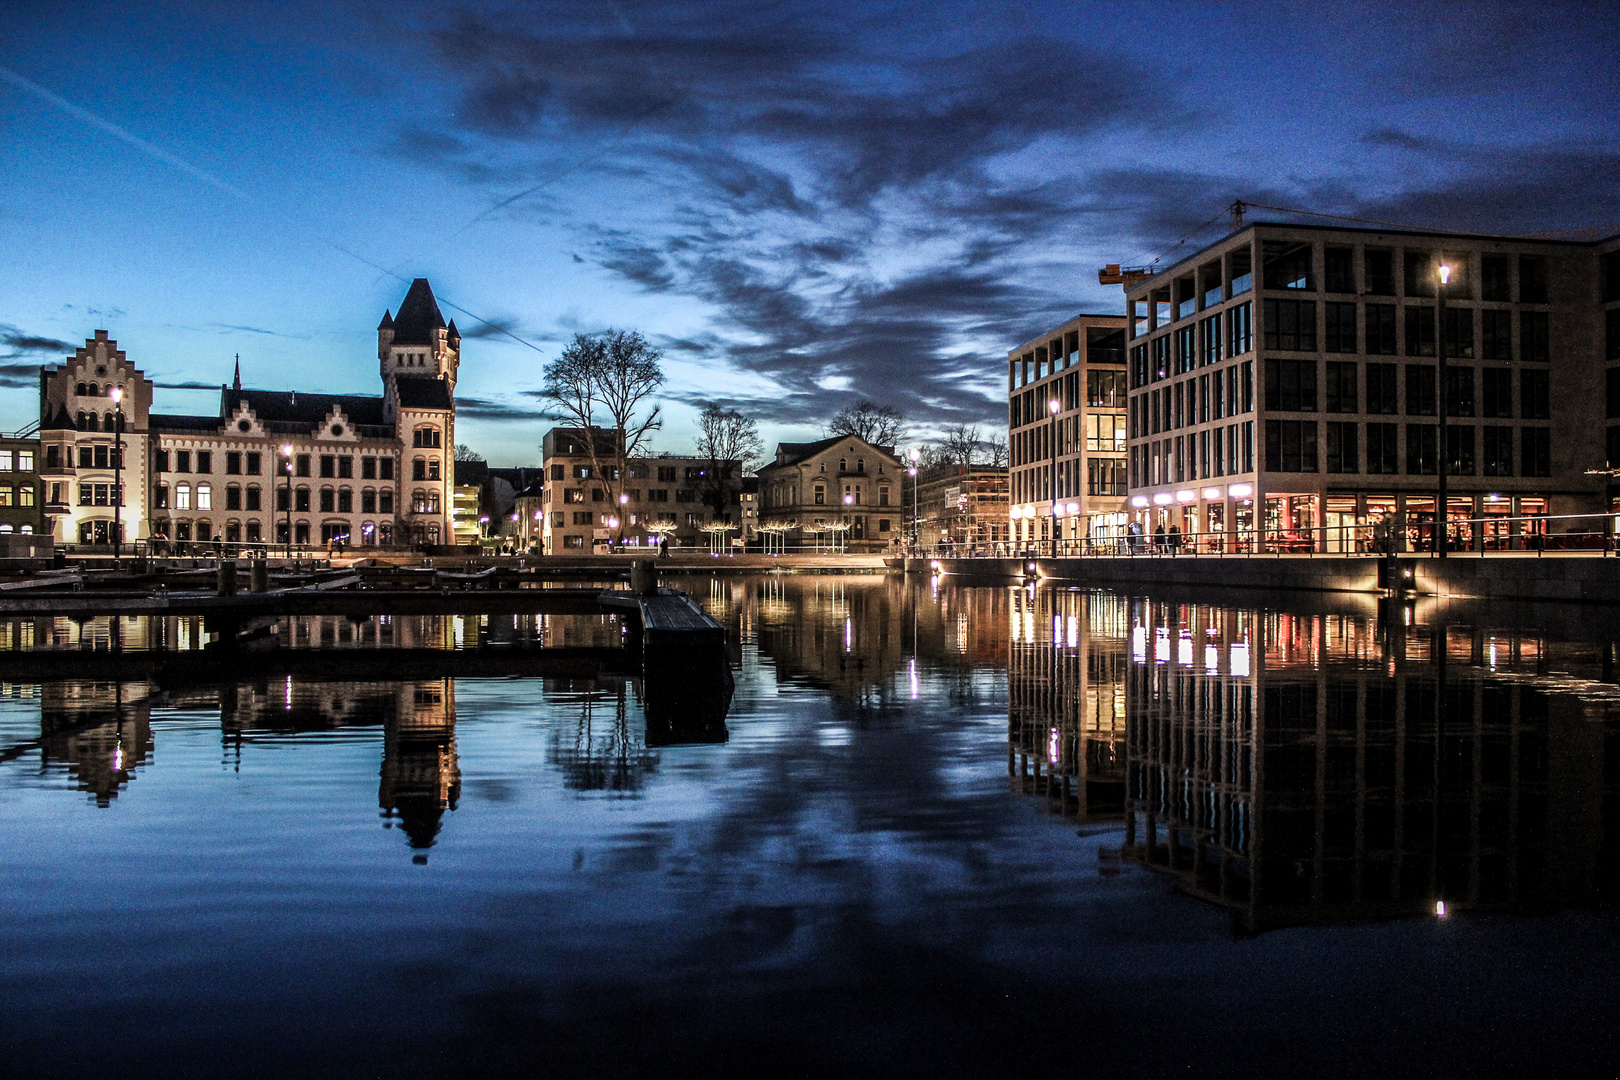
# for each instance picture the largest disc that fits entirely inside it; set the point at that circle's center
(100, 731)
(1291, 769)
(1285, 378)
(370, 470)
(420, 775)
(845, 634)
(1066, 431)
(835, 492)
(961, 504)
(1066, 699)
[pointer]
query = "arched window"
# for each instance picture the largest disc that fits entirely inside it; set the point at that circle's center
(860, 464)
(205, 497)
(843, 464)
(95, 391)
(80, 389)
(107, 421)
(419, 468)
(182, 496)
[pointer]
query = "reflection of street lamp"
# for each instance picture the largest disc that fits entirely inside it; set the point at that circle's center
(118, 472)
(1442, 523)
(286, 465)
(1055, 406)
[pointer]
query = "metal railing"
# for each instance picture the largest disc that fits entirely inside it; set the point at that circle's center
(1539, 534)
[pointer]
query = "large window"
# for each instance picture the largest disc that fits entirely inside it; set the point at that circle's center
(1532, 285)
(1340, 325)
(1105, 432)
(1494, 283)
(1422, 449)
(1534, 398)
(1239, 329)
(1341, 386)
(1497, 394)
(1419, 273)
(1460, 332)
(1291, 445)
(1291, 385)
(1286, 265)
(1459, 391)
(1382, 451)
(1533, 336)
(1105, 389)
(1496, 334)
(1420, 400)
(1105, 476)
(182, 496)
(1419, 331)
(1498, 451)
(1381, 329)
(1186, 349)
(1460, 451)
(1535, 451)
(1378, 269)
(1209, 340)
(1342, 453)
(1338, 269)
(1291, 325)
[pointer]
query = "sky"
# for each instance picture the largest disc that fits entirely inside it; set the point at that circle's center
(801, 205)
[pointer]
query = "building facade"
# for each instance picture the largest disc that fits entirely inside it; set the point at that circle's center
(1066, 433)
(681, 498)
(841, 492)
(961, 505)
(272, 467)
(1286, 392)
(21, 501)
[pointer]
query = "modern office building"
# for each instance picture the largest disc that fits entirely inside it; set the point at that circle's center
(1286, 388)
(841, 492)
(281, 466)
(682, 498)
(1066, 433)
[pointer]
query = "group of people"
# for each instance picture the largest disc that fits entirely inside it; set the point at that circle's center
(1165, 541)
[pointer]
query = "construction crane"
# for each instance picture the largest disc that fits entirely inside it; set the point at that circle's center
(1115, 274)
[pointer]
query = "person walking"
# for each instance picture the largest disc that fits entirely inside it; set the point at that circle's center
(1174, 539)
(1159, 539)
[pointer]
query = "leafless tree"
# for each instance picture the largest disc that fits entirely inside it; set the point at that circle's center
(466, 453)
(729, 440)
(959, 445)
(995, 448)
(605, 382)
(879, 425)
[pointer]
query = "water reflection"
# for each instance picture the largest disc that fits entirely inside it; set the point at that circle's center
(1304, 768)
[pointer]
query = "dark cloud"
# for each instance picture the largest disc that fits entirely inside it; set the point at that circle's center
(485, 409)
(258, 330)
(188, 385)
(16, 343)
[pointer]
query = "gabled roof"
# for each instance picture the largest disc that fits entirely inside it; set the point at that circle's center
(419, 319)
(793, 453)
(158, 422)
(59, 422)
(290, 406)
(416, 392)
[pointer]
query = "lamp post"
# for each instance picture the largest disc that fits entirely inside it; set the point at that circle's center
(286, 465)
(916, 456)
(849, 501)
(118, 473)
(1441, 510)
(1054, 406)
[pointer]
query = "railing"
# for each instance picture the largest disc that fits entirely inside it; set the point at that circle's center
(1593, 534)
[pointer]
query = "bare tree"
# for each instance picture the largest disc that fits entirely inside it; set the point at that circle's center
(996, 450)
(879, 425)
(603, 383)
(728, 439)
(466, 453)
(959, 444)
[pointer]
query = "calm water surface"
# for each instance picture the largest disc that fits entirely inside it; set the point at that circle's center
(958, 831)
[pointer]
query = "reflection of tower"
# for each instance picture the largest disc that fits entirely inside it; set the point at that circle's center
(1302, 780)
(1066, 699)
(100, 731)
(420, 777)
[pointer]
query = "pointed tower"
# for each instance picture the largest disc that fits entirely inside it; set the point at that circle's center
(236, 382)
(417, 343)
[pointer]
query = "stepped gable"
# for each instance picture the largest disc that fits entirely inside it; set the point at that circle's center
(419, 320)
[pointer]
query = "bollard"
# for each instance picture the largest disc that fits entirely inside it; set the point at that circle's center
(643, 577)
(225, 578)
(259, 575)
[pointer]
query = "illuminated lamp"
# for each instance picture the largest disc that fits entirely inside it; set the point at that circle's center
(1212, 493)
(1015, 513)
(1162, 499)
(1029, 511)
(1241, 491)
(1139, 500)
(1057, 509)
(1185, 496)
(1072, 509)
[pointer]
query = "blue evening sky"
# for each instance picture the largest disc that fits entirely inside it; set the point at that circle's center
(802, 204)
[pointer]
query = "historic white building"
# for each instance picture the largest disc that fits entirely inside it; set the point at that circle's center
(274, 466)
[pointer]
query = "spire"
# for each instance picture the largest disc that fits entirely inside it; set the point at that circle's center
(236, 383)
(454, 335)
(388, 320)
(419, 316)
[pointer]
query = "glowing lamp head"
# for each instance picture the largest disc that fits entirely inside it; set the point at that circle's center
(1445, 274)
(117, 394)
(1072, 509)
(916, 454)
(286, 450)
(1054, 406)
(849, 500)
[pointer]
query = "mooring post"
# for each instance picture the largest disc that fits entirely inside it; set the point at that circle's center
(225, 578)
(259, 575)
(644, 577)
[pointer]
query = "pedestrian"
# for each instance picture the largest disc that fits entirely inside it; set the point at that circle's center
(1175, 539)
(663, 547)
(1159, 538)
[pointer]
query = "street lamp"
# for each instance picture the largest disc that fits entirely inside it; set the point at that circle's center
(1441, 511)
(916, 456)
(1055, 407)
(118, 473)
(849, 501)
(286, 466)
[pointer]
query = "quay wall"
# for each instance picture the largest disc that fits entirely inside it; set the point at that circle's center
(1575, 577)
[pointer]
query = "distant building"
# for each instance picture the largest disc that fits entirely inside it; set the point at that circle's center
(21, 507)
(1066, 440)
(834, 492)
(660, 496)
(964, 505)
(281, 466)
(467, 502)
(1286, 394)
(749, 500)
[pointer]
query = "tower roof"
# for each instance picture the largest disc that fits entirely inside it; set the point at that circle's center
(419, 319)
